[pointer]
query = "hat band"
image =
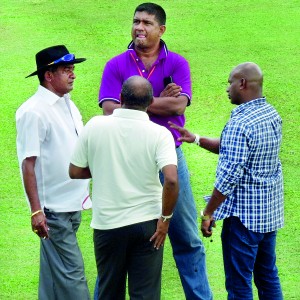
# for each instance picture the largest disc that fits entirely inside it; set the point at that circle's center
(65, 58)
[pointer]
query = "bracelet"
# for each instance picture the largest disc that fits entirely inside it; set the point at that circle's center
(204, 217)
(165, 218)
(36, 212)
(197, 140)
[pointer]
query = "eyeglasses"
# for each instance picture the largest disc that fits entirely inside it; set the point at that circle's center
(67, 57)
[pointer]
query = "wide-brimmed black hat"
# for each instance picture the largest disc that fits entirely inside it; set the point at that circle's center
(55, 55)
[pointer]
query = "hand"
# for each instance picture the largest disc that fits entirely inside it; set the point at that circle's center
(186, 136)
(206, 227)
(171, 90)
(39, 225)
(160, 234)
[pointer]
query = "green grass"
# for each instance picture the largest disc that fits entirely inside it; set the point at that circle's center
(214, 36)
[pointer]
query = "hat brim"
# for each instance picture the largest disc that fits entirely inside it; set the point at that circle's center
(71, 62)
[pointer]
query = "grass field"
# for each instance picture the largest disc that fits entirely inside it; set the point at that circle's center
(214, 36)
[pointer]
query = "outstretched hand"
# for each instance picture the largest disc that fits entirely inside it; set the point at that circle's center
(186, 136)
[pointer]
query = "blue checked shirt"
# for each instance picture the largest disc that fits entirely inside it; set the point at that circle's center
(249, 171)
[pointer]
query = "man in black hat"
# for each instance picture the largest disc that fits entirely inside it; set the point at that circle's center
(48, 124)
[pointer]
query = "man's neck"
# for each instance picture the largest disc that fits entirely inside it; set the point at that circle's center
(148, 56)
(134, 107)
(250, 97)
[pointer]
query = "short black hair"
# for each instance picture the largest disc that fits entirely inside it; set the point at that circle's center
(153, 9)
(136, 92)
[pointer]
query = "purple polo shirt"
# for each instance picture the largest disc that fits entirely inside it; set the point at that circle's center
(127, 64)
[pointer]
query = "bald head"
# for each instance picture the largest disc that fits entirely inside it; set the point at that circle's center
(136, 93)
(246, 82)
(249, 71)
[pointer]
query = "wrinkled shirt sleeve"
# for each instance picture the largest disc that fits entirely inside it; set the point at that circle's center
(234, 153)
(31, 133)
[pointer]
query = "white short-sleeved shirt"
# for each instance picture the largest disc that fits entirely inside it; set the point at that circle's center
(46, 129)
(124, 152)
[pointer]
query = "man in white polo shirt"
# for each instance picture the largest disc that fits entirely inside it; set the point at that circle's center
(123, 153)
(48, 125)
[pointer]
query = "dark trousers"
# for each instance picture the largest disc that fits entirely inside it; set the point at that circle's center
(127, 251)
(248, 253)
(61, 263)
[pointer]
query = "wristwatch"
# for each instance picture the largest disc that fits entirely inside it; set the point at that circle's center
(197, 140)
(166, 218)
(203, 217)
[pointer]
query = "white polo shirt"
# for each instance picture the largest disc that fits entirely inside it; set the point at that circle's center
(125, 152)
(46, 129)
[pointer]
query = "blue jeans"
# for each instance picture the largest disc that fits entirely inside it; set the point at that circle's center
(245, 253)
(188, 250)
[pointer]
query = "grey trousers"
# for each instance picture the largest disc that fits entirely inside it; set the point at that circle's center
(61, 263)
(127, 251)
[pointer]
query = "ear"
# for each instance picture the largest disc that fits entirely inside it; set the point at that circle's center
(48, 76)
(243, 83)
(162, 29)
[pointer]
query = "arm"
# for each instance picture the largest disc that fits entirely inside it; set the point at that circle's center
(168, 106)
(110, 87)
(38, 221)
(230, 168)
(170, 102)
(79, 173)
(169, 197)
(210, 144)
(109, 106)
(217, 198)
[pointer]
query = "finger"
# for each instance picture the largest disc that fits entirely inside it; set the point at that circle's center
(174, 94)
(159, 242)
(205, 228)
(153, 237)
(41, 230)
(172, 91)
(206, 233)
(172, 125)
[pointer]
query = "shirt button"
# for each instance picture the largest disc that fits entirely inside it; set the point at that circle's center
(143, 71)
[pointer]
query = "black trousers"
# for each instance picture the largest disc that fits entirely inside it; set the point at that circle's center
(127, 251)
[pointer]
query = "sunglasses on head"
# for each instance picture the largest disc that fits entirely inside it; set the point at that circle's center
(65, 58)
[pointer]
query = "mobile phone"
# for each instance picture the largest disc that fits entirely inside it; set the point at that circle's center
(168, 80)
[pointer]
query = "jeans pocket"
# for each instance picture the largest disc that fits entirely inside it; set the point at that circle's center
(250, 238)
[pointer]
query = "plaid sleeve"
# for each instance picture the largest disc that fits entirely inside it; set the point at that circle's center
(234, 153)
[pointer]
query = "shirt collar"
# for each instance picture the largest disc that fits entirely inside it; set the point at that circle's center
(247, 105)
(49, 96)
(163, 49)
(130, 114)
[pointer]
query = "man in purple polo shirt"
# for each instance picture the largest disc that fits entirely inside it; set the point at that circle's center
(168, 66)
(169, 74)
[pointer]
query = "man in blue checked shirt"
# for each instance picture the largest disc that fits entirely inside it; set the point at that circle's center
(248, 192)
